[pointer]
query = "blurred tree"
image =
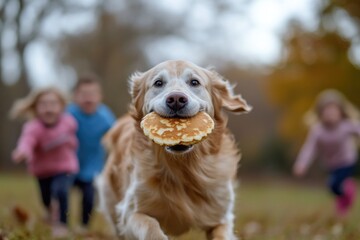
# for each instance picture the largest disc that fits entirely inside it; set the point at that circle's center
(351, 7)
(250, 129)
(21, 24)
(115, 47)
(111, 51)
(314, 61)
(14, 26)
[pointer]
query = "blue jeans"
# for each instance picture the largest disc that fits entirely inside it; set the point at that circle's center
(338, 176)
(56, 187)
(88, 192)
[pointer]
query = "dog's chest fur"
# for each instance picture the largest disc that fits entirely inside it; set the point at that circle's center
(183, 192)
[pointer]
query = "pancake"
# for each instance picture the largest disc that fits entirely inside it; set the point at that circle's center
(177, 131)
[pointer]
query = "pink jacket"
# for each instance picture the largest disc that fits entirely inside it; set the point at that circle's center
(50, 150)
(334, 147)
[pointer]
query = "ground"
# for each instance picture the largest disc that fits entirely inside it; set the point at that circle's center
(266, 209)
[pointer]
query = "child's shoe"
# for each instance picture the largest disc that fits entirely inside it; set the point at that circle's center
(81, 230)
(59, 230)
(54, 212)
(345, 202)
(350, 191)
(342, 206)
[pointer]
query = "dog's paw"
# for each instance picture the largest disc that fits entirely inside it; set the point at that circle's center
(158, 236)
(225, 238)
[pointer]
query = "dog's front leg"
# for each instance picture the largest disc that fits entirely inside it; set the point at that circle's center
(221, 232)
(143, 227)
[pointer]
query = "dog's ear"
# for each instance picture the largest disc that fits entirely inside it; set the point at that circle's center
(223, 94)
(137, 90)
(135, 82)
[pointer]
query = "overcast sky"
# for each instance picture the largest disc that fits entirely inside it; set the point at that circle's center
(247, 35)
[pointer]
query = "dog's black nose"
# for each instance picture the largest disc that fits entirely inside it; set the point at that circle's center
(176, 101)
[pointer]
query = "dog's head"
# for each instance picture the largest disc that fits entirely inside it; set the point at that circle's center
(182, 89)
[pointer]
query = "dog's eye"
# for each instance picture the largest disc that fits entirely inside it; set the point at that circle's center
(194, 82)
(158, 83)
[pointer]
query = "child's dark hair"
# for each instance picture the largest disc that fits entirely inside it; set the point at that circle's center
(85, 79)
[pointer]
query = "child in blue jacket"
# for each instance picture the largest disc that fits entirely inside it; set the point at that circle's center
(94, 120)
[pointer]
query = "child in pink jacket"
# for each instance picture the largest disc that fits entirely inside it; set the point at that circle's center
(331, 139)
(48, 145)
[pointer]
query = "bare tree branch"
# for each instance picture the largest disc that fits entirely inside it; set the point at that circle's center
(2, 23)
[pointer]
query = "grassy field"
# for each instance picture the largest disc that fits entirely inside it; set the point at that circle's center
(265, 210)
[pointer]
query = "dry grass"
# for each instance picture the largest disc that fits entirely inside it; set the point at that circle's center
(265, 210)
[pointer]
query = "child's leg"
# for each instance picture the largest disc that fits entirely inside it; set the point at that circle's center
(88, 202)
(337, 178)
(341, 186)
(60, 190)
(45, 191)
(88, 193)
(335, 182)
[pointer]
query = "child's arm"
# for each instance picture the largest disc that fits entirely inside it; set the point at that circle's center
(26, 143)
(73, 141)
(18, 156)
(61, 139)
(109, 117)
(306, 154)
(355, 128)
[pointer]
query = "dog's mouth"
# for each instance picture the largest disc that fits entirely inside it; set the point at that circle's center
(175, 114)
(179, 149)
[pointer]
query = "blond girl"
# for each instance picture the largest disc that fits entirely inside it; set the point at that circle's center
(48, 145)
(334, 124)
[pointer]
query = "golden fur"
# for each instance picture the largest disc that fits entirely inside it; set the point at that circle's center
(149, 193)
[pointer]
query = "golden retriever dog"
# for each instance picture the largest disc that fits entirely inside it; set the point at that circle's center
(148, 191)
